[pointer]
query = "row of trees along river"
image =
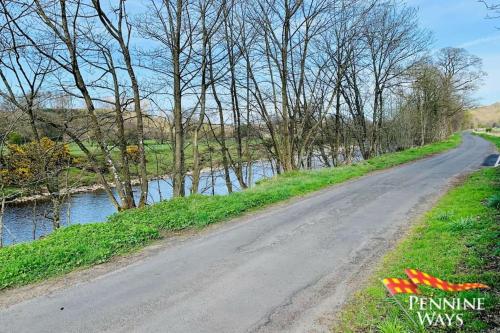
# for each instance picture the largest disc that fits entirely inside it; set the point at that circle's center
(115, 93)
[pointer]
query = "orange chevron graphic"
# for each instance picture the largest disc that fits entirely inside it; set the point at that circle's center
(417, 277)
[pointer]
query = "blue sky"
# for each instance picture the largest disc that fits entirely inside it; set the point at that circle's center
(462, 23)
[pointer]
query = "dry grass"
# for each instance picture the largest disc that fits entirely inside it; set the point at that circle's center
(485, 116)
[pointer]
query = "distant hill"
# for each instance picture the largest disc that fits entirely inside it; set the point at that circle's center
(485, 116)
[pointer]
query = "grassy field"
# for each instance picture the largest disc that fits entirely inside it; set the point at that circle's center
(456, 241)
(485, 116)
(158, 157)
(84, 245)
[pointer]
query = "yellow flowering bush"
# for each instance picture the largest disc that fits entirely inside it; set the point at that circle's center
(35, 161)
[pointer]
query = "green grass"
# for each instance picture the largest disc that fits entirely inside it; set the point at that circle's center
(68, 248)
(158, 157)
(456, 241)
(85, 245)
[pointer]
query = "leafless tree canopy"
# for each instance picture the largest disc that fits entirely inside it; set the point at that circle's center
(290, 81)
(493, 7)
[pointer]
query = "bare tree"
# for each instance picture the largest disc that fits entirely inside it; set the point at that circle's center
(121, 31)
(169, 23)
(394, 43)
(65, 36)
(290, 81)
(210, 21)
(493, 7)
(23, 72)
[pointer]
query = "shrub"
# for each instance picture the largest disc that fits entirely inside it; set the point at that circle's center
(33, 161)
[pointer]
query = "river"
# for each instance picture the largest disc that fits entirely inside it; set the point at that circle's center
(27, 221)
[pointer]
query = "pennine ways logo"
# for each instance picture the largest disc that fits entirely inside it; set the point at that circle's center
(434, 311)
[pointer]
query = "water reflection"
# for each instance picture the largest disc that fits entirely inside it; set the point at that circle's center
(24, 222)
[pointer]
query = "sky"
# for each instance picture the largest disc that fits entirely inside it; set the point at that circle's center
(463, 23)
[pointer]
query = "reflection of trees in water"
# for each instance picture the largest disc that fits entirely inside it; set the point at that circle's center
(28, 221)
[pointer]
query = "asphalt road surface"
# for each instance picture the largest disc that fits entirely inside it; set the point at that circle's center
(287, 268)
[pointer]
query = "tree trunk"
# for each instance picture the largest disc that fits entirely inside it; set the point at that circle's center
(287, 149)
(222, 140)
(224, 152)
(117, 33)
(238, 164)
(203, 97)
(56, 211)
(196, 164)
(178, 180)
(2, 210)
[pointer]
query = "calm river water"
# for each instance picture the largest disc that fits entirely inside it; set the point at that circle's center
(24, 222)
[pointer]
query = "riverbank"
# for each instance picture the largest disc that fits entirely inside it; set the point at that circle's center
(159, 167)
(84, 245)
(455, 241)
(100, 187)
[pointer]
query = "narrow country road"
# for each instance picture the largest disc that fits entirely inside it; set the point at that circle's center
(287, 268)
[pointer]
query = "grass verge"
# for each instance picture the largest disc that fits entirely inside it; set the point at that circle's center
(84, 245)
(456, 241)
